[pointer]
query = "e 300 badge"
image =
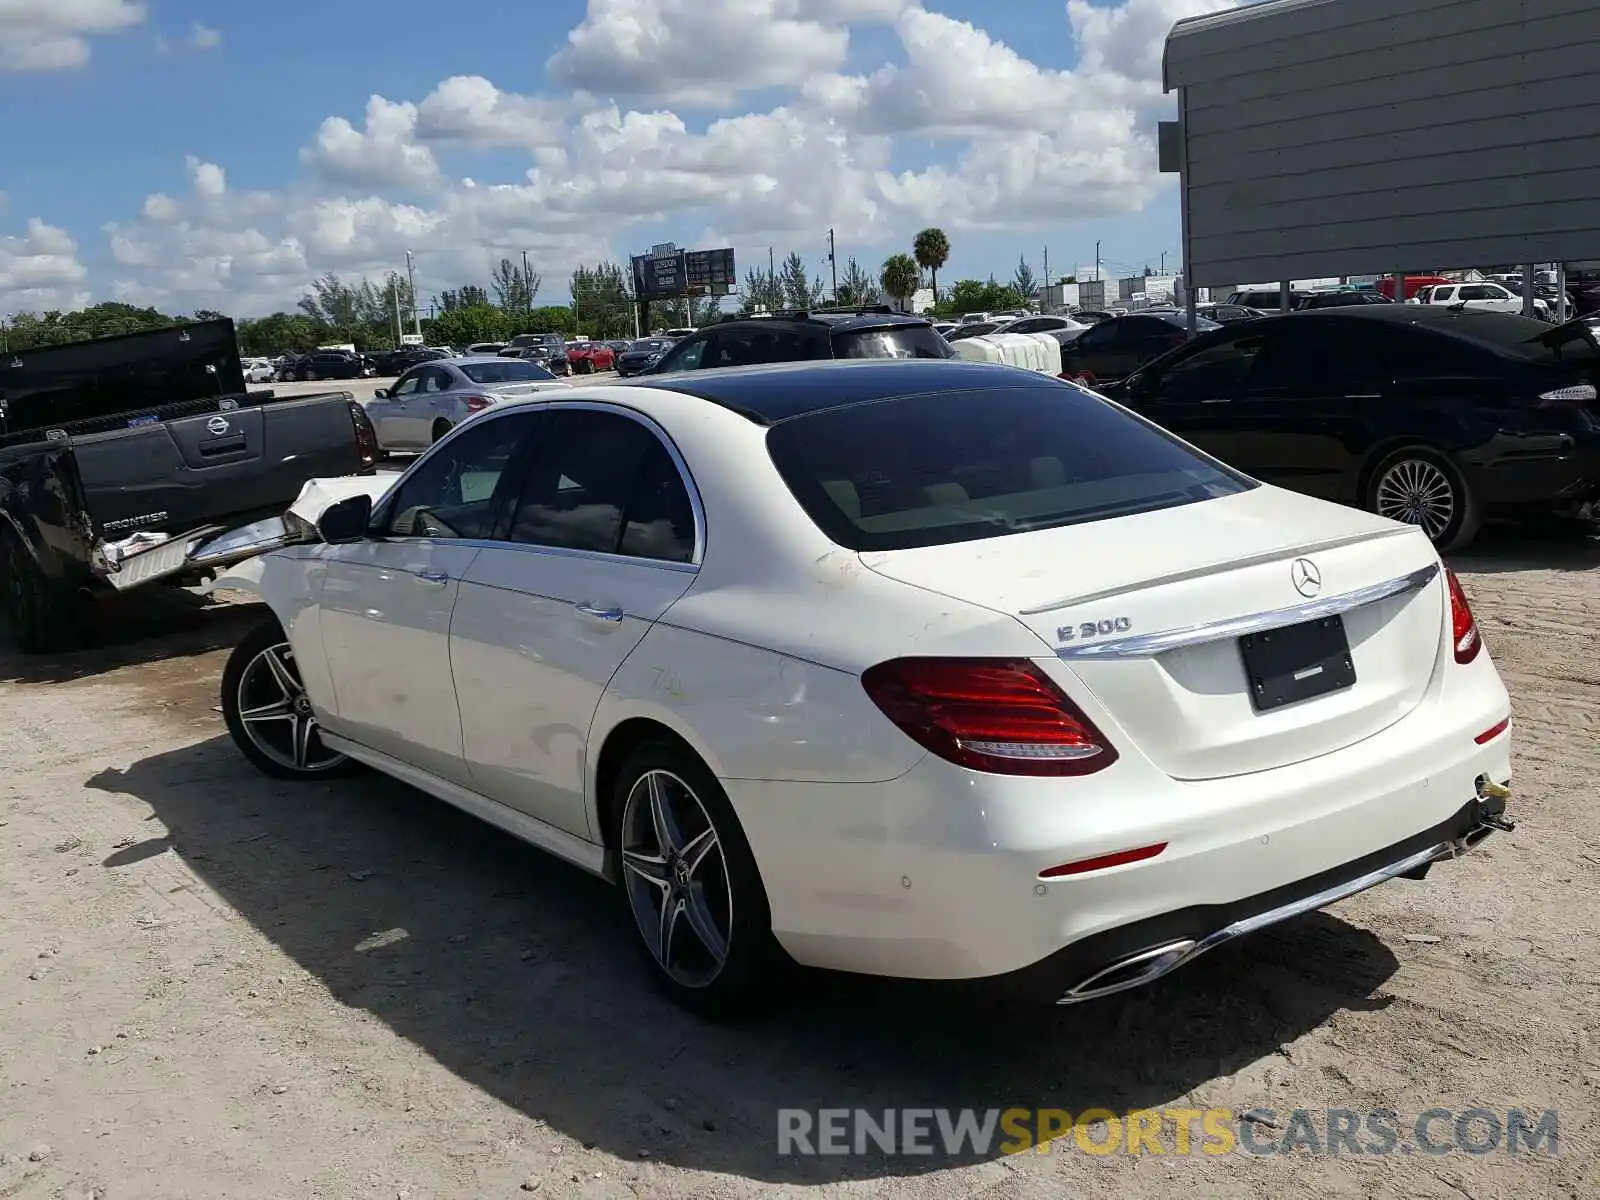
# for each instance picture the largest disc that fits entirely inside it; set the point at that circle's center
(1093, 629)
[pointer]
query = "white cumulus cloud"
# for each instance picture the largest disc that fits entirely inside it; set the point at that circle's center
(53, 35)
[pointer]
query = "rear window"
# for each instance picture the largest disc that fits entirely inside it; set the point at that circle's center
(905, 341)
(512, 370)
(929, 470)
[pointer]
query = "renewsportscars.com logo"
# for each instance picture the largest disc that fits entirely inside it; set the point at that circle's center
(980, 1133)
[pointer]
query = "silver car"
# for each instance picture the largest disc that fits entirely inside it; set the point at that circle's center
(428, 400)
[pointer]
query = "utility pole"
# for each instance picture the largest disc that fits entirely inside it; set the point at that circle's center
(834, 267)
(394, 285)
(1097, 262)
(527, 284)
(1047, 266)
(1163, 262)
(416, 310)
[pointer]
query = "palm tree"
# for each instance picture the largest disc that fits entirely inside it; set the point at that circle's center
(932, 249)
(900, 278)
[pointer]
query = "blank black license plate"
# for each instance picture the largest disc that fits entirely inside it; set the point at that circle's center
(1298, 662)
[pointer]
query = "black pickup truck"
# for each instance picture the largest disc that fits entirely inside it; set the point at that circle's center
(122, 457)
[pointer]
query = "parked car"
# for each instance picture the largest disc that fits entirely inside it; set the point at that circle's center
(1341, 298)
(1107, 702)
(549, 350)
(641, 354)
(123, 459)
(1047, 324)
(483, 349)
(1228, 314)
(971, 329)
(393, 363)
(870, 332)
(258, 370)
(586, 358)
(1092, 316)
(429, 401)
(1422, 414)
(1118, 347)
(1266, 299)
(329, 364)
(1485, 297)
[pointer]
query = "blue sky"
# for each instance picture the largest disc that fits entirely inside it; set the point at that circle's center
(1011, 126)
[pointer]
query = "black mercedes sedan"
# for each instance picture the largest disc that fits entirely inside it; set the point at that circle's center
(1430, 415)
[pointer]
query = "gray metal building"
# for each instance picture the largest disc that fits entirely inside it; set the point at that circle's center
(1334, 137)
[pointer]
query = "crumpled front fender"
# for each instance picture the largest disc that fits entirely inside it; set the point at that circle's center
(241, 577)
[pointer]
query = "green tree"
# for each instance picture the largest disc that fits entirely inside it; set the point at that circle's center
(1022, 280)
(467, 296)
(602, 304)
(463, 326)
(899, 278)
(932, 250)
(514, 287)
(797, 289)
(974, 295)
(280, 333)
(762, 292)
(856, 286)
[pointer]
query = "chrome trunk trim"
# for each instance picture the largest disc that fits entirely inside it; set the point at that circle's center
(1148, 645)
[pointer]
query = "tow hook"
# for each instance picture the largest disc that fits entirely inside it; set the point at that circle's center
(1492, 799)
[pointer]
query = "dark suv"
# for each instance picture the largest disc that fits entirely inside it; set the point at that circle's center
(549, 350)
(820, 333)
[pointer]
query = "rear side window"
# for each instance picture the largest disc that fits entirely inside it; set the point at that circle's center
(753, 347)
(905, 341)
(928, 470)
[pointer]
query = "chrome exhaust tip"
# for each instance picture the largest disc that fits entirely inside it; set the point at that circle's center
(1135, 970)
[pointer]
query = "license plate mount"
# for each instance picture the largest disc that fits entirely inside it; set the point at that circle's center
(1298, 662)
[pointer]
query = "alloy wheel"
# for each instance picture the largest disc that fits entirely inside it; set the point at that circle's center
(677, 878)
(1417, 492)
(277, 716)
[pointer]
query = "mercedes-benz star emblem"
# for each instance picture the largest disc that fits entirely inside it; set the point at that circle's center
(218, 426)
(1306, 578)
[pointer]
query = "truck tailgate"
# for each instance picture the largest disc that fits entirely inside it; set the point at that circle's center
(208, 468)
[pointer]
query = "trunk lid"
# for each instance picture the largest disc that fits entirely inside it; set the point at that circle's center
(520, 391)
(1186, 700)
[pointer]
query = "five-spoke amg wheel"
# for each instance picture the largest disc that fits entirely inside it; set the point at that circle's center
(268, 713)
(691, 884)
(1421, 488)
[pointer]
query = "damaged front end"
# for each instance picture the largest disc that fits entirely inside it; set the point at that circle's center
(192, 557)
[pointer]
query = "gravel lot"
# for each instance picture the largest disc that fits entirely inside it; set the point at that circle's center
(219, 985)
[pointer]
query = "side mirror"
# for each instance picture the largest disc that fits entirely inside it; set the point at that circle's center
(380, 393)
(346, 521)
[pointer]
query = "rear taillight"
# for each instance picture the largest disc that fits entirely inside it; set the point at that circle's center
(366, 436)
(1577, 396)
(476, 404)
(1463, 628)
(1003, 716)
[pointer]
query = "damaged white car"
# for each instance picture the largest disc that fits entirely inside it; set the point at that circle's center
(932, 669)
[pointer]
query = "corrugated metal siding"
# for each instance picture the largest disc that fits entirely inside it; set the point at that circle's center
(1329, 137)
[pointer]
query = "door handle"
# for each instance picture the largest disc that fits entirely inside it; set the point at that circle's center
(1363, 396)
(1218, 400)
(434, 578)
(612, 616)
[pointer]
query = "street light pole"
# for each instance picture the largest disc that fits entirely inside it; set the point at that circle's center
(833, 266)
(416, 309)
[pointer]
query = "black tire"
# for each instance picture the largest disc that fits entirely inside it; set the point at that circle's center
(440, 428)
(747, 980)
(244, 690)
(41, 613)
(1423, 487)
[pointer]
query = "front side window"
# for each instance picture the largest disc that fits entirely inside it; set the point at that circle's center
(685, 356)
(408, 385)
(604, 482)
(1218, 371)
(454, 491)
(929, 470)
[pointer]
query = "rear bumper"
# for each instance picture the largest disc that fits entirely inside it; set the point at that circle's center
(1569, 472)
(937, 875)
(1133, 955)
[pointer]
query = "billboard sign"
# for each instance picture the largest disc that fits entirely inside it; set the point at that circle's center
(709, 272)
(659, 275)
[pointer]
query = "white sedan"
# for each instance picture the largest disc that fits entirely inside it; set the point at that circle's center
(927, 669)
(431, 399)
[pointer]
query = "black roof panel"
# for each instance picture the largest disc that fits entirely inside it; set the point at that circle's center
(777, 392)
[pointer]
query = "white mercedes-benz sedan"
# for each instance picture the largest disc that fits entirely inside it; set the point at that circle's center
(929, 669)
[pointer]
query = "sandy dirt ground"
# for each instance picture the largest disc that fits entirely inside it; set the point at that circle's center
(217, 985)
